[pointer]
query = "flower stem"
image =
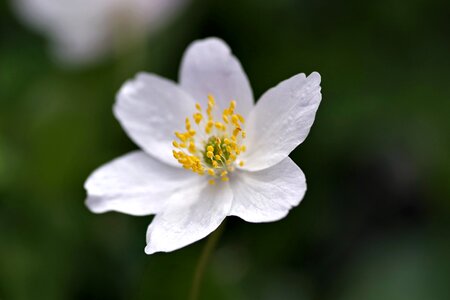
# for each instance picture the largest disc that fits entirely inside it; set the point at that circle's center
(203, 261)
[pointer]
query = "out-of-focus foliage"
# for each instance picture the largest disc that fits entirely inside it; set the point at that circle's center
(374, 223)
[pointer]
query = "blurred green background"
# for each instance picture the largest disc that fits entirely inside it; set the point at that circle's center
(375, 222)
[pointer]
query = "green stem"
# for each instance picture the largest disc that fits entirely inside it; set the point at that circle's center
(203, 261)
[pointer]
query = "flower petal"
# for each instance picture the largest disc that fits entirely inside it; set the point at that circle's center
(267, 195)
(150, 110)
(135, 184)
(281, 120)
(208, 67)
(203, 208)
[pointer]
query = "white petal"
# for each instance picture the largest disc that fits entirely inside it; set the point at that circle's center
(135, 184)
(203, 208)
(281, 120)
(150, 110)
(269, 194)
(208, 67)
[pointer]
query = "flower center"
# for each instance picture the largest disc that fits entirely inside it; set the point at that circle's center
(213, 146)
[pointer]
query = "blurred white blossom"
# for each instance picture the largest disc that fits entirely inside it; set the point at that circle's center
(84, 31)
(229, 156)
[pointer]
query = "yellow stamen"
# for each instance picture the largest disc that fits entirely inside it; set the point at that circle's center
(222, 144)
(181, 136)
(198, 117)
(225, 118)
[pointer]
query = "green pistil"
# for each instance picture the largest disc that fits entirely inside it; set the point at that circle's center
(218, 147)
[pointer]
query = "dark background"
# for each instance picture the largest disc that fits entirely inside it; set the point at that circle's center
(374, 223)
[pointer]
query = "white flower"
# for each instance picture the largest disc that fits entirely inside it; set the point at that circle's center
(234, 153)
(82, 31)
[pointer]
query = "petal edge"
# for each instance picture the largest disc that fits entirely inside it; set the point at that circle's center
(179, 226)
(276, 128)
(209, 67)
(150, 109)
(135, 184)
(269, 194)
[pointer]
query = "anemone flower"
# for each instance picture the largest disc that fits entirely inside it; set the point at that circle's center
(208, 151)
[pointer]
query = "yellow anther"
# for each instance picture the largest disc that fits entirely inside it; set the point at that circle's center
(225, 118)
(235, 119)
(243, 148)
(175, 144)
(209, 154)
(181, 136)
(211, 172)
(198, 118)
(217, 157)
(236, 131)
(210, 148)
(226, 141)
(244, 134)
(215, 164)
(218, 125)
(192, 132)
(182, 145)
(241, 118)
(188, 126)
(224, 173)
(198, 107)
(211, 181)
(241, 163)
(209, 126)
(192, 148)
(211, 99)
(225, 178)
